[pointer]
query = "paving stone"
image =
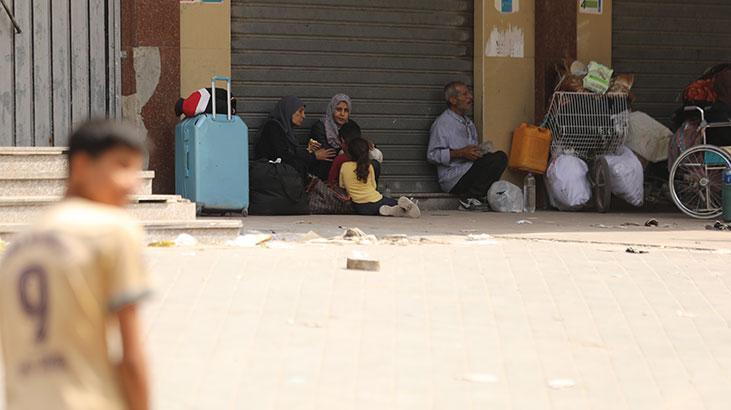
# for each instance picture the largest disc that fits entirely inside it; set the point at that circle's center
(440, 326)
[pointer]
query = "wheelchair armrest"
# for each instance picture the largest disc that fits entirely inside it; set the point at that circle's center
(692, 108)
(719, 125)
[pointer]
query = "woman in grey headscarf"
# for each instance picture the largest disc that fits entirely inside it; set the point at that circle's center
(326, 130)
(277, 138)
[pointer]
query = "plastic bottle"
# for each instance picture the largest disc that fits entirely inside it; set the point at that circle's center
(529, 194)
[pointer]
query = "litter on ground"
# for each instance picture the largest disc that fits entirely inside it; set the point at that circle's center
(479, 378)
(309, 237)
(250, 240)
(481, 239)
(185, 240)
(635, 251)
(560, 384)
(718, 226)
(358, 236)
(161, 244)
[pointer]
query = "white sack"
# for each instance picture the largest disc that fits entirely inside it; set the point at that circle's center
(505, 197)
(647, 137)
(568, 183)
(626, 176)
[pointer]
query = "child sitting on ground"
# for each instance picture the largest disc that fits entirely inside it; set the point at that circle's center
(348, 132)
(358, 178)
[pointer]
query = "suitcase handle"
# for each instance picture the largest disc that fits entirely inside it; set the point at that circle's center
(228, 94)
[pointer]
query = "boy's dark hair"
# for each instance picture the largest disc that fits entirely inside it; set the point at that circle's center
(96, 137)
(350, 131)
(358, 149)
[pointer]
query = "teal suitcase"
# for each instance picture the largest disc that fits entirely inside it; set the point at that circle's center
(212, 159)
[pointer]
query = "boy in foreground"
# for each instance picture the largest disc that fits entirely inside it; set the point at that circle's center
(73, 280)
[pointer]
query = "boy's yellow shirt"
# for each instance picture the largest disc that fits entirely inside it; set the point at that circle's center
(60, 286)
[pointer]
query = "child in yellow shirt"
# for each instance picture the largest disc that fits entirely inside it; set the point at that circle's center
(358, 178)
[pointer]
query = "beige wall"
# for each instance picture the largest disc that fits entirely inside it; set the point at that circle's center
(594, 36)
(205, 44)
(504, 86)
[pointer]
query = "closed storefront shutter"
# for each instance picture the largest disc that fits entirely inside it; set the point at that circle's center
(391, 57)
(60, 70)
(667, 45)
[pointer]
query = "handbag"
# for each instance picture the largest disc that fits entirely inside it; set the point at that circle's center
(328, 200)
(276, 189)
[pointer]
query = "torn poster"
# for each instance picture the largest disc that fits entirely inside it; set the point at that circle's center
(591, 6)
(506, 43)
(507, 6)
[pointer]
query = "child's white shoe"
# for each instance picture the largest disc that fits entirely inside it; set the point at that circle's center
(410, 208)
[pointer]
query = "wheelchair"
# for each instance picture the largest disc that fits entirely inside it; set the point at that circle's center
(696, 176)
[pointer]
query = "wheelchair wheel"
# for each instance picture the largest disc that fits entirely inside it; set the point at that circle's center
(600, 182)
(696, 181)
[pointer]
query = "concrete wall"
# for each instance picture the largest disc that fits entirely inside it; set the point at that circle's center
(205, 44)
(594, 36)
(504, 85)
(151, 79)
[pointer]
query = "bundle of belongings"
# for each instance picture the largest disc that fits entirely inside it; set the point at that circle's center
(575, 76)
(712, 93)
(570, 186)
(570, 180)
(201, 102)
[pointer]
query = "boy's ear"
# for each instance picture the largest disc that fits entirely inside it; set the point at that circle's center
(79, 162)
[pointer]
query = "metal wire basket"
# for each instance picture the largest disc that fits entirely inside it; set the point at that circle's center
(587, 125)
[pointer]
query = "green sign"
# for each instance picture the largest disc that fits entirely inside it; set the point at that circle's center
(590, 6)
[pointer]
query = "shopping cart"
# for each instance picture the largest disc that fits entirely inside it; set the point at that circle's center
(589, 126)
(696, 177)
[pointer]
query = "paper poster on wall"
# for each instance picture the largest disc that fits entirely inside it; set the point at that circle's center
(506, 43)
(507, 6)
(591, 6)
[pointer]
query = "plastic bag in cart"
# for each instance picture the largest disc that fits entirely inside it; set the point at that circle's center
(626, 176)
(505, 197)
(568, 183)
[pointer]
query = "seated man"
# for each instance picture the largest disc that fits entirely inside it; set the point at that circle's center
(464, 168)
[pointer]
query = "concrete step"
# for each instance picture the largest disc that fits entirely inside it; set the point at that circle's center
(207, 232)
(27, 160)
(52, 183)
(143, 207)
(431, 201)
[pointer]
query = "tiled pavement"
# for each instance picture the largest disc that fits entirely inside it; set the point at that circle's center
(519, 324)
(516, 324)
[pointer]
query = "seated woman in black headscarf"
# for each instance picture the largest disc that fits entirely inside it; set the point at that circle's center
(277, 139)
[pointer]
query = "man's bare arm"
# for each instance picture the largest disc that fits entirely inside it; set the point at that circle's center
(133, 369)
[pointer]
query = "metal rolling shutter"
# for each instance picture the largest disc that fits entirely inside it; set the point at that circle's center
(62, 69)
(391, 57)
(667, 45)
